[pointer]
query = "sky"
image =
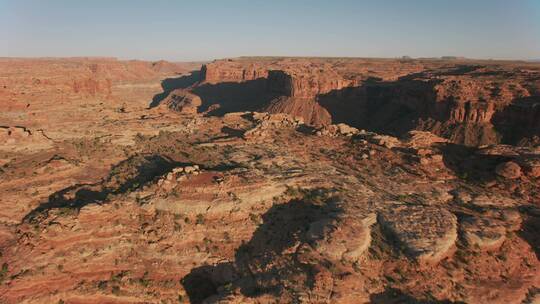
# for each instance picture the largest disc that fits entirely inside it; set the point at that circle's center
(204, 30)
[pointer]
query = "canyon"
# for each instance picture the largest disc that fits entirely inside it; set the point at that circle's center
(469, 102)
(269, 180)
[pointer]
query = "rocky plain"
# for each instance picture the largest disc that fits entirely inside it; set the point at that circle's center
(269, 180)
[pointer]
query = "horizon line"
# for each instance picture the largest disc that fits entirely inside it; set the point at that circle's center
(404, 57)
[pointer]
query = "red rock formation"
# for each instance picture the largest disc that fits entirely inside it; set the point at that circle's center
(310, 111)
(216, 72)
(182, 101)
(79, 76)
(92, 87)
(291, 81)
(302, 84)
(306, 84)
(108, 201)
(471, 103)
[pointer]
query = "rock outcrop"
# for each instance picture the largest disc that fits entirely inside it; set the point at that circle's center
(472, 104)
(295, 87)
(345, 239)
(89, 77)
(306, 84)
(310, 111)
(232, 71)
(426, 233)
(422, 139)
(106, 200)
(267, 124)
(509, 170)
(182, 101)
(17, 138)
(336, 130)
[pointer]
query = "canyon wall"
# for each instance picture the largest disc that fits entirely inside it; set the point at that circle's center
(80, 76)
(216, 73)
(281, 79)
(473, 103)
(275, 86)
(306, 84)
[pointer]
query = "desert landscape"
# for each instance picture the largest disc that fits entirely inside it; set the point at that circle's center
(269, 180)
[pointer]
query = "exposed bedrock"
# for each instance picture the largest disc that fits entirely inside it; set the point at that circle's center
(216, 73)
(472, 105)
(182, 101)
(306, 84)
(308, 109)
(426, 233)
(445, 108)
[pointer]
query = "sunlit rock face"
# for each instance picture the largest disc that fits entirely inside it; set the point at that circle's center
(268, 180)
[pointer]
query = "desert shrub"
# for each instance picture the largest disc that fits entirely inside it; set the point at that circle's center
(4, 271)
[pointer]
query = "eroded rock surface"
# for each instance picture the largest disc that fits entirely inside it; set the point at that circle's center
(427, 233)
(182, 101)
(472, 103)
(105, 199)
(509, 170)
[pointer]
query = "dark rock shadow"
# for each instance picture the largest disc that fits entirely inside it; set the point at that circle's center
(462, 69)
(410, 103)
(170, 84)
(261, 264)
(396, 296)
(457, 70)
(124, 177)
(519, 122)
(225, 97)
(306, 130)
(530, 228)
(231, 132)
(203, 282)
(390, 107)
(468, 165)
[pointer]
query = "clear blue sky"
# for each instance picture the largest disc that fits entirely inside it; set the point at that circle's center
(200, 30)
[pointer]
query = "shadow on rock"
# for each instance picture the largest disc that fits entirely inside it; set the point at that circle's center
(269, 258)
(124, 177)
(530, 229)
(468, 165)
(518, 123)
(396, 296)
(221, 98)
(203, 282)
(389, 107)
(231, 132)
(170, 84)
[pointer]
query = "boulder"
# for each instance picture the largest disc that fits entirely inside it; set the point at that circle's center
(347, 130)
(532, 168)
(386, 141)
(422, 139)
(344, 239)
(509, 170)
(483, 233)
(426, 233)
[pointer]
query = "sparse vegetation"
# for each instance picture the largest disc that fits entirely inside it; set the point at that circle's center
(4, 271)
(144, 280)
(362, 211)
(102, 285)
(199, 219)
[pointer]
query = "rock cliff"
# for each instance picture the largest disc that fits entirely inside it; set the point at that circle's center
(473, 103)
